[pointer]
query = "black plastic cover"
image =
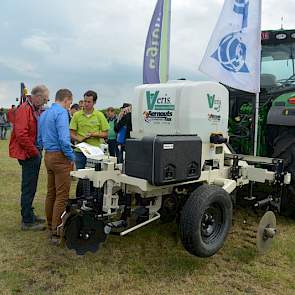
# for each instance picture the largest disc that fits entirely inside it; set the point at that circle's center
(164, 159)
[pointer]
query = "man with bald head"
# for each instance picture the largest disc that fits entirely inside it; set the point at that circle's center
(23, 148)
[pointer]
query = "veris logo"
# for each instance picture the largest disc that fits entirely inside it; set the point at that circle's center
(159, 103)
(213, 102)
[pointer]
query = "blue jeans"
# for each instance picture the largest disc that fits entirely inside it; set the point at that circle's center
(30, 174)
(80, 160)
(113, 148)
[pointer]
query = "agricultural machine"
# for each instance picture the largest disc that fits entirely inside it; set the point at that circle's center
(178, 166)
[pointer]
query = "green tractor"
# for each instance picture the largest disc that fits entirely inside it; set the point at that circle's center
(277, 95)
(276, 122)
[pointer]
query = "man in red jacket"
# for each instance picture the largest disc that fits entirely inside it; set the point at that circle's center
(10, 115)
(23, 147)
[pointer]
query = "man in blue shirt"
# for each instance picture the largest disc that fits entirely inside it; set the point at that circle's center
(54, 138)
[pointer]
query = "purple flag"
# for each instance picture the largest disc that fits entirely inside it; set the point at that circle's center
(156, 54)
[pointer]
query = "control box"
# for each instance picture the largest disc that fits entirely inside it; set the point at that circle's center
(164, 159)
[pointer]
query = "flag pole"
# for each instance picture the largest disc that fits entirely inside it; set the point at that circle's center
(168, 43)
(256, 123)
(165, 42)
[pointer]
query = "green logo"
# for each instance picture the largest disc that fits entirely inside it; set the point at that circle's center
(158, 103)
(151, 99)
(211, 100)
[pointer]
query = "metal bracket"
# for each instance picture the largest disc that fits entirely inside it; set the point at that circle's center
(279, 172)
(235, 169)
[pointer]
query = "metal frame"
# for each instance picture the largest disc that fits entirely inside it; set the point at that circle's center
(233, 171)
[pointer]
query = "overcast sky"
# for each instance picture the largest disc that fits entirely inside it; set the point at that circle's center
(96, 44)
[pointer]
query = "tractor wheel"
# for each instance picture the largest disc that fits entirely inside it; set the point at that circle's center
(288, 201)
(284, 148)
(205, 220)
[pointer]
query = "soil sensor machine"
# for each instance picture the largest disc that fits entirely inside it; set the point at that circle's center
(178, 166)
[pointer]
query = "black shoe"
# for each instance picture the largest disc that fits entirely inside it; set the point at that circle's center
(39, 219)
(32, 226)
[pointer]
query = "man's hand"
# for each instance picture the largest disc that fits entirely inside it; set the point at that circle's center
(79, 138)
(102, 134)
(72, 164)
(95, 134)
(88, 135)
(121, 114)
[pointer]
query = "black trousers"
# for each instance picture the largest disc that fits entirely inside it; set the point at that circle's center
(30, 174)
(113, 148)
(3, 132)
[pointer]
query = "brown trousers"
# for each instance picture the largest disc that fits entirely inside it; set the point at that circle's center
(58, 187)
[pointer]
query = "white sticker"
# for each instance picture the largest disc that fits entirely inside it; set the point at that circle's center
(168, 146)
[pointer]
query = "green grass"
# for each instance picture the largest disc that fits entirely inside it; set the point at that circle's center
(149, 261)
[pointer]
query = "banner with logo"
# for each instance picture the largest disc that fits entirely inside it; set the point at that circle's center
(157, 47)
(234, 52)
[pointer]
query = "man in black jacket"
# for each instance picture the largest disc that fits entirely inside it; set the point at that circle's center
(123, 128)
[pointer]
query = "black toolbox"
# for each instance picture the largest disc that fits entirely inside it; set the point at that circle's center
(164, 159)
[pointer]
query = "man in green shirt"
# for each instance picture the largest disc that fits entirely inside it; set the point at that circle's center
(112, 136)
(88, 125)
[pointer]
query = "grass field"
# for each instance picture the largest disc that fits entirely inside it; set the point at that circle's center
(150, 261)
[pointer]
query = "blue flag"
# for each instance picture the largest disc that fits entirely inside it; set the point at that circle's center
(156, 53)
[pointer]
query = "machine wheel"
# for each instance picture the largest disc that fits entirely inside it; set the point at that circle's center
(206, 220)
(83, 232)
(284, 148)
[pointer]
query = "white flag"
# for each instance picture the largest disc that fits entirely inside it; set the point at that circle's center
(234, 52)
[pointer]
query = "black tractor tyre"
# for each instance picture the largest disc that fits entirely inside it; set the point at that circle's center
(206, 220)
(288, 201)
(284, 148)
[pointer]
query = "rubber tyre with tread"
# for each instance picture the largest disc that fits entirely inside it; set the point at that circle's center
(191, 220)
(284, 148)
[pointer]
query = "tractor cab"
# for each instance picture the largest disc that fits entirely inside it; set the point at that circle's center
(277, 86)
(278, 60)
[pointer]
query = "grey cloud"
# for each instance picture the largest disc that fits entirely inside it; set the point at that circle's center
(18, 67)
(38, 43)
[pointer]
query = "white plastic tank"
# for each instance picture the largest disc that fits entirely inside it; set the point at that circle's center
(180, 107)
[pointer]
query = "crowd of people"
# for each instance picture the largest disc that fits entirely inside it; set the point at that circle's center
(53, 133)
(6, 121)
